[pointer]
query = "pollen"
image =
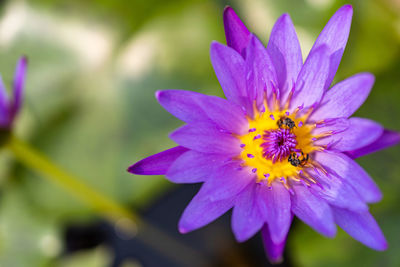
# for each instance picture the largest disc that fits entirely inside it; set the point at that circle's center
(273, 138)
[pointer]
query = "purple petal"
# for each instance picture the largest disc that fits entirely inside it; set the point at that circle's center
(3, 92)
(360, 133)
(225, 114)
(313, 210)
(228, 181)
(237, 35)
(273, 251)
(157, 164)
(207, 138)
(312, 77)
(201, 211)
(246, 218)
(192, 107)
(261, 76)
(362, 227)
(285, 52)
(334, 126)
(345, 97)
(4, 106)
(336, 191)
(182, 104)
(229, 66)
(19, 81)
(334, 36)
(346, 168)
(387, 139)
(274, 204)
(195, 167)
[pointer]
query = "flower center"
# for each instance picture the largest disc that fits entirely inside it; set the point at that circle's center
(278, 145)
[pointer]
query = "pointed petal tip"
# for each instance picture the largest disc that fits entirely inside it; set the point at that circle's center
(378, 196)
(228, 9)
(285, 17)
(331, 233)
(397, 135)
(382, 246)
(157, 164)
(366, 77)
(182, 230)
(215, 44)
(214, 48)
(159, 94)
(135, 169)
(274, 252)
(277, 260)
(346, 10)
(389, 138)
(347, 7)
(24, 59)
(236, 33)
(239, 238)
(21, 67)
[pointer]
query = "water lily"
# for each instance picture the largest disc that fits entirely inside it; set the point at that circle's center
(281, 144)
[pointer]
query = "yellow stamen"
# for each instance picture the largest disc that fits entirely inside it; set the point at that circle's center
(253, 151)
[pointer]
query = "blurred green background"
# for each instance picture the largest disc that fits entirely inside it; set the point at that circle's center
(93, 69)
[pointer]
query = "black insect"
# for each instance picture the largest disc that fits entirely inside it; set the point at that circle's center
(286, 122)
(296, 161)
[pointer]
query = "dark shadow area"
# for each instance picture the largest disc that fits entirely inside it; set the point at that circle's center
(215, 242)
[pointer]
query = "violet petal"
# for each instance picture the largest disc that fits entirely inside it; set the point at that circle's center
(225, 114)
(18, 86)
(360, 133)
(285, 52)
(201, 211)
(346, 168)
(332, 125)
(207, 138)
(274, 204)
(228, 181)
(343, 99)
(313, 210)
(182, 104)
(361, 226)
(338, 192)
(229, 67)
(312, 77)
(194, 167)
(237, 35)
(4, 106)
(334, 36)
(157, 164)
(261, 75)
(273, 251)
(387, 139)
(246, 218)
(191, 107)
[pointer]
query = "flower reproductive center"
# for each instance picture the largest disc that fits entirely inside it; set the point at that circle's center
(279, 144)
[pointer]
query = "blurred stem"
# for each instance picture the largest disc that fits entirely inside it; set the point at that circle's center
(99, 202)
(126, 220)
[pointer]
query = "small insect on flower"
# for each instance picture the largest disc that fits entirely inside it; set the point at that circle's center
(285, 122)
(282, 143)
(296, 161)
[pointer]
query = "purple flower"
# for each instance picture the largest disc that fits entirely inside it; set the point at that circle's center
(10, 106)
(281, 144)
